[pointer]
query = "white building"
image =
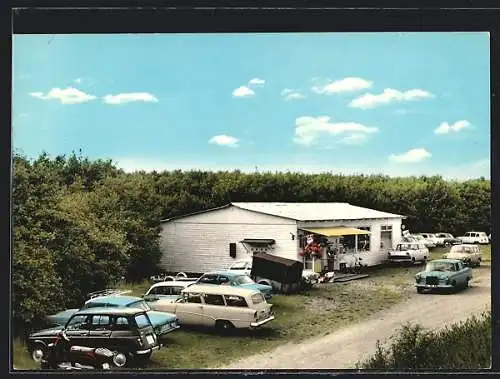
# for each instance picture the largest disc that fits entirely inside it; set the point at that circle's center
(216, 238)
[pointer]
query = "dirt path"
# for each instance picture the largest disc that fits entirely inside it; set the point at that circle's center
(345, 347)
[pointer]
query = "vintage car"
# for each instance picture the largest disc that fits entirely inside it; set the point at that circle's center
(446, 239)
(122, 329)
(222, 307)
(163, 322)
(469, 254)
(235, 280)
(168, 291)
(241, 267)
(443, 274)
(408, 252)
(475, 238)
(428, 242)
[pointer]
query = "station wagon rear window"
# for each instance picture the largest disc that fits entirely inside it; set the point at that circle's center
(142, 321)
(235, 301)
(192, 298)
(257, 298)
(99, 321)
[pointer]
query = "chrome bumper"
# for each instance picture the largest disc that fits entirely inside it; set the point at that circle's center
(140, 352)
(262, 322)
(433, 285)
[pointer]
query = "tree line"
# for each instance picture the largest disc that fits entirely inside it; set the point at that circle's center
(80, 225)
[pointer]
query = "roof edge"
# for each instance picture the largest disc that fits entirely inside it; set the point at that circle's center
(195, 213)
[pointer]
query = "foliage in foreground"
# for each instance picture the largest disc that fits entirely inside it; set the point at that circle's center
(466, 345)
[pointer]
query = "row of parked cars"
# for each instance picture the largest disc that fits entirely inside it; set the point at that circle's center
(432, 240)
(135, 327)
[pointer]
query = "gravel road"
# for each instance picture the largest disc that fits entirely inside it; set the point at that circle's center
(345, 347)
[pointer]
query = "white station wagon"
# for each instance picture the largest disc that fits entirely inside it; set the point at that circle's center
(408, 252)
(475, 237)
(223, 307)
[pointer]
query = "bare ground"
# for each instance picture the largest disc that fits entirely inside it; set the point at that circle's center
(345, 347)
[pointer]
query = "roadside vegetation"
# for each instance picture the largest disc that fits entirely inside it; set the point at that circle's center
(462, 346)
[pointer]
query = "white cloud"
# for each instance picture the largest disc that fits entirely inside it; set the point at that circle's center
(224, 140)
(68, 95)
(411, 156)
(123, 98)
(354, 139)
(286, 91)
(243, 91)
(294, 96)
(344, 85)
(256, 81)
(308, 129)
(389, 95)
(446, 128)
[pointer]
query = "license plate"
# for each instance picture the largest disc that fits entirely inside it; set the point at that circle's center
(150, 339)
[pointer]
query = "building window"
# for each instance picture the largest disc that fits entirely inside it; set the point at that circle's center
(385, 228)
(364, 239)
(232, 250)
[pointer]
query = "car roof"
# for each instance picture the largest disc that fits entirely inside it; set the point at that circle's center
(226, 273)
(446, 260)
(118, 300)
(175, 283)
(111, 311)
(220, 290)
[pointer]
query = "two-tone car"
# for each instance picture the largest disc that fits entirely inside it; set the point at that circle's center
(126, 330)
(168, 291)
(222, 307)
(446, 239)
(469, 254)
(408, 252)
(163, 322)
(443, 274)
(235, 280)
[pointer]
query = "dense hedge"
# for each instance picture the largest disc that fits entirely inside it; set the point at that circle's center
(466, 345)
(80, 225)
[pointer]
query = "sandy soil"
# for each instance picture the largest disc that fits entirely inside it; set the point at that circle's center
(345, 347)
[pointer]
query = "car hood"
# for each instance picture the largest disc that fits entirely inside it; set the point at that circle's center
(161, 318)
(438, 274)
(257, 286)
(54, 331)
(62, 317)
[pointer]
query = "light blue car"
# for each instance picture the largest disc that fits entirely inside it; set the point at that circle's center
(163, 322)
(236, 280)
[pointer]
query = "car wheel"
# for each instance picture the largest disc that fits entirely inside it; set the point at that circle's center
(454, 286)
(224, 325)
(121, 360)
(38, 351)
(420, 290)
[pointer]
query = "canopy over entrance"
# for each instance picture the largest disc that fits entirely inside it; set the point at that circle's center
(338, 231)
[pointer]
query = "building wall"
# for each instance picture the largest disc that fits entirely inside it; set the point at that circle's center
(200, 243)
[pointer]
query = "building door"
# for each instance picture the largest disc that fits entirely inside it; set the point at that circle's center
(385, 238)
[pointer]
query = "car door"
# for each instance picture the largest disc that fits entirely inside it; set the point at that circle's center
(77, 329)
(190, 310)
(100, 330)
(214, 308)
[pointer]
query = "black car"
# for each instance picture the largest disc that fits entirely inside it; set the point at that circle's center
(122, 329)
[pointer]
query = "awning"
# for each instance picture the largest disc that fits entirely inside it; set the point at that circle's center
(258, 241)
(339, 231)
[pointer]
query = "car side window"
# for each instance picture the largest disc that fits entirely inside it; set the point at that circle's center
(77, 323)
(193, 298)
(223, 279)
(100, 322)
(121, 323)
(213, 299)
(235, 301)
(209, 279)
(457, 267)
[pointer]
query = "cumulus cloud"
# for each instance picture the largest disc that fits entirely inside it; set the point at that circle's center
(446, 128)
(286, 91)
(389, 95)
(294, 96)
(68, 95)
(224, 140)
(348, 84)
(257, 81)
(411, 156)
(123, 98)
(243, 91)
(308, 129)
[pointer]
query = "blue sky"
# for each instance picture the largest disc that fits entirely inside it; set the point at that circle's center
(392, 103)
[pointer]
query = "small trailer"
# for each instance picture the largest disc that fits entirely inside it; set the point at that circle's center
(284, 275)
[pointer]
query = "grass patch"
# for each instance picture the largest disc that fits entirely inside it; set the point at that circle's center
(22, 360)
(466, 345)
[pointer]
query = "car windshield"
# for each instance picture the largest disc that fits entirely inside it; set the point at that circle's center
(440, 266)
(239, 266)
(141, 304)
(402, 247)
(243, 279)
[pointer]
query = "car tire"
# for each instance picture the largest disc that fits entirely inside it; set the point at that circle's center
(454, 286)
(38, 351)
(420, 290)
(224, 325)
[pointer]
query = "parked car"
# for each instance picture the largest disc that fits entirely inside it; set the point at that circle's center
(235, 280)
(125, 330)
(222, 307)
(443, 274)
(447, 239)
(162, 322)
(429, 243)
(475, 238)
(241, 267)
(469, 254)
(408, 252)
(168, 291)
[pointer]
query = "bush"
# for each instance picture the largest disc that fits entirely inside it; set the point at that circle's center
(466, 345)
